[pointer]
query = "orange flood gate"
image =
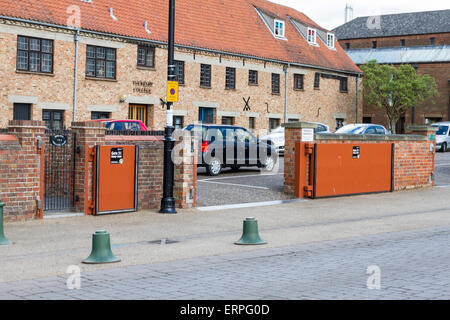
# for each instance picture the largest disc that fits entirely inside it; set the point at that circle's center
(116, 179)
(331, 170)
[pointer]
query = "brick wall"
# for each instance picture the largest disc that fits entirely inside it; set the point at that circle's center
(414, 163)
(20, 168)
(150, 173)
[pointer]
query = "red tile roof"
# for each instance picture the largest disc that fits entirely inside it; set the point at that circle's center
(232, 26)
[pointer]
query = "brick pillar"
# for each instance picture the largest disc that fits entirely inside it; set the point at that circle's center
(184, 172)
(24, 171)
(87, 134)
(430, 133)
(292, 134)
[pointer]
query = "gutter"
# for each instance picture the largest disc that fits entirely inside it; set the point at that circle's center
(75, 81)
(286, 70)
(178, 45)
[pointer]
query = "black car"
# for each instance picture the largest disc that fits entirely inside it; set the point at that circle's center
(231, 146)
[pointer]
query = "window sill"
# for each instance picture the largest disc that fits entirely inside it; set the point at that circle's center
(230, 89)
(100, 79)
(301, 90)
(341, 91)
(36, 73)
(146, 68)
(316, 88)
(276, 94)
(205, 87)
(253, 84)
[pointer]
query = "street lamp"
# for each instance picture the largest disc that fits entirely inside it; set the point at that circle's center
(168, 201)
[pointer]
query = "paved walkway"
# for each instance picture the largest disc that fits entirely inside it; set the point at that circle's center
(413, 265)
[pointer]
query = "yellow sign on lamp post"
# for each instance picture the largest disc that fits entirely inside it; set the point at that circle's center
(172, 91)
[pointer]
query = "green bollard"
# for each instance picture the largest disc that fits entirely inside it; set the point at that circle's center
(3, 240)
(101, 249)
(250, 234)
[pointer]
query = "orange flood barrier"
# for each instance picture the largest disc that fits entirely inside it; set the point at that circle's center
(331, 170)
(116, 179)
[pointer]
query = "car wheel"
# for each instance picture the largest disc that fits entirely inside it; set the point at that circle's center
(444, 147)
(269, 164)
(214, 167)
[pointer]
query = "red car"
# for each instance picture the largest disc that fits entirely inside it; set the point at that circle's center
(124, 125)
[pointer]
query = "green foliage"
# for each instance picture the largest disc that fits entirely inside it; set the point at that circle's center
(396, 89)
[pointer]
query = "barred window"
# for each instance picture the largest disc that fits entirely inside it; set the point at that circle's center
(230, 78)
(100, 62)
(252, 77)
(343, 85)
(179, 70)
(205, 75)
(298, 81)
(316, 81)
(146, 56)
(275, 83)
(35, 55)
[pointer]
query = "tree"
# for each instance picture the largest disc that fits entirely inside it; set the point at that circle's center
(396, 89)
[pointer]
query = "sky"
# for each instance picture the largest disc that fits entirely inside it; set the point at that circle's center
(330, 14)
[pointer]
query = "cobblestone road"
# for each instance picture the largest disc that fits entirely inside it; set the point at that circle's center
(413, 264)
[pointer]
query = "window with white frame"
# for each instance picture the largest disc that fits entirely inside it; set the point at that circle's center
(279, 28)
(312, 36)
(330, 40)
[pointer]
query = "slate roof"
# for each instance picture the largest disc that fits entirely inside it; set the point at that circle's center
(403, 24)
(228, 26)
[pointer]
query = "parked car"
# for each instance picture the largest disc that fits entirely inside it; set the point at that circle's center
(362, 128)
(231, 146)
(123, 125)
(442, 135)
(276, 136)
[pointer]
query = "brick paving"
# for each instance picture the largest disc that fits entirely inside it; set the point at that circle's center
(413, 264)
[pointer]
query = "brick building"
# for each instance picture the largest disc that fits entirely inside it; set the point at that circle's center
(421, 39)
(250, 62)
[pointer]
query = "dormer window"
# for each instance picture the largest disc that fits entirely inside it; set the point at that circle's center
(278, 28)
(330, 40)
(312, 36)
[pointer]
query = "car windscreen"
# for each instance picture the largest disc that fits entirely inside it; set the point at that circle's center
(442, 130)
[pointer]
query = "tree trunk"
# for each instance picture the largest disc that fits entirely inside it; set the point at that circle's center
(393, 125)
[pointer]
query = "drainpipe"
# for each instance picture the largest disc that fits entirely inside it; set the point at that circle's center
(286, 69)
(75, 81)
(357, 98)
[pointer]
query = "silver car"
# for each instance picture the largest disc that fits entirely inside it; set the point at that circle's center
(442, 135)
(362, 128)
(276, 136)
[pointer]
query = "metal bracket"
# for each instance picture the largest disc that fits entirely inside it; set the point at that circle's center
(308, 191)
(38, 203)
(39, 141)
(309, 148)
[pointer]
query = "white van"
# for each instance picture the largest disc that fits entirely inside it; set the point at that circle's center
(442, 135)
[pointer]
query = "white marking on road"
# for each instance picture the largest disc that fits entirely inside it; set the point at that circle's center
(246, 176)
(235, 184)
(444, 186)
(248, 205)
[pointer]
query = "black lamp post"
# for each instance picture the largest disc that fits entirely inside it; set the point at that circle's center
(168, 201)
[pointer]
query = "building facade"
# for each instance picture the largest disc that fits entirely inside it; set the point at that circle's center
(421, 39)
(257, 67)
